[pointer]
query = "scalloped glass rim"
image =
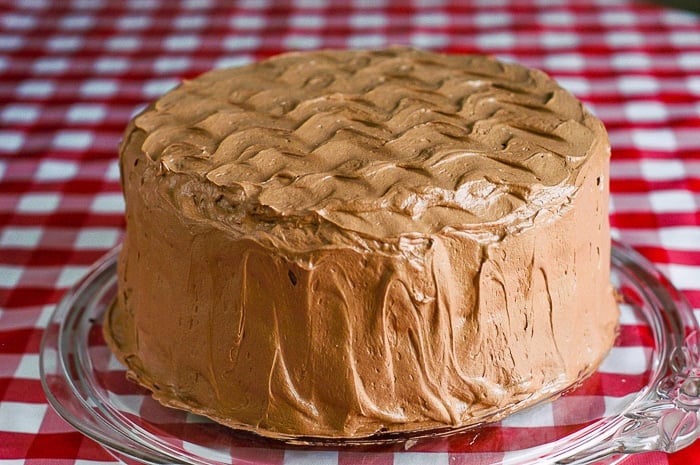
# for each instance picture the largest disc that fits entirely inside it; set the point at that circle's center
(662, 416)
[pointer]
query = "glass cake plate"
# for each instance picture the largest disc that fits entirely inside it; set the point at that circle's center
(644, 397)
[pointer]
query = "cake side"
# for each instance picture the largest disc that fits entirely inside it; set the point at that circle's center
(293, 322)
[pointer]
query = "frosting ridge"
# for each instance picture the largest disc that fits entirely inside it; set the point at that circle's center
(372, 143)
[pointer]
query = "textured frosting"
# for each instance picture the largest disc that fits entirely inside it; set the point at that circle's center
(341, 244)
(373, 145)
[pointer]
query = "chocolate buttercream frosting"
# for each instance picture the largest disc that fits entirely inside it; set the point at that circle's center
(343, 244)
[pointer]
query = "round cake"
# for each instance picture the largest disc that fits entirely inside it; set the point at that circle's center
(349, 244)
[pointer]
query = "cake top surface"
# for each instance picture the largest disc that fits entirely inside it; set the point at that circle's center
(378, 144)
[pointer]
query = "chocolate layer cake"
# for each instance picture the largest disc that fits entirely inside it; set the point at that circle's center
(340, 244)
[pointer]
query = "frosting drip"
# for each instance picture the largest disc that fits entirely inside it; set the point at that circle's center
(371, 144)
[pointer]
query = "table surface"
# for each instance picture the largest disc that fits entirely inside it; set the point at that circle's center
(73, 73)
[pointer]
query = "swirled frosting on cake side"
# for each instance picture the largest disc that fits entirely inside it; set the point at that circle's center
(363, 146)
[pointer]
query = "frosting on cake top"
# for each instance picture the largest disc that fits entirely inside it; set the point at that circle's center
(378, 144)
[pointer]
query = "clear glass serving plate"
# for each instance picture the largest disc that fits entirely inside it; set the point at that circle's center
(644, 397)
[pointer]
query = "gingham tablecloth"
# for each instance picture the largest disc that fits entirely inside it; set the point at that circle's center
(72, 74)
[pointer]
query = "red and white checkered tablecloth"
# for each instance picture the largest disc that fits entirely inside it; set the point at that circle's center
(72, 74)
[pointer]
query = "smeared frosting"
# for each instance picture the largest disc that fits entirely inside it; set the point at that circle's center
(369, 144)
(353, 243)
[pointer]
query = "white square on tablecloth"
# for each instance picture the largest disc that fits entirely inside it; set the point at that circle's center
(680, 238)
(86, 112)
(253, 4)
(123, 43)
(382, 3)
(631, 61)
(24, 237)
(99, 88)
(233, 61)
(430, 19)
(618, 18)
(218, 455)
(310, 457)
(629, 316)
(171, 64)
(11, 141)
(310, 3)
(496, 40)
(679, 17)
(157, 87)
(657, 170)
(56, 170)
(541, 415)
(614, 405)
(196, 4)
(17, 21)
(635, 85)
(684, 277)
(645, 111)
(672, 201)
(44, 317)
(247, 21)
(84, 462)
(19, 417)
(654, 139)
(689, 60)
(620, 39)
(133, 22)
(108, 203)
(38, 203)
(88, 4)
(421, 458)
(73, 139)
(50, 65)
(429, 40)
(366, 41)
(302, 41)
(20, 113)
(70, 275)
(367, 20)
(9, 276)
(96, 238)
(685, 39)
(565, 61)
(559, 39)
(241, 42)
(190, 22)
(28, 367)
(492, 19)
(303, 21)
(574, 84)
(64, 43)
(143, 4)
(78, 21)
(111, 65)
(625, 360)
(35, 4)
(112, 173)
(181, 42)
(557, 18)
(693, 84)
